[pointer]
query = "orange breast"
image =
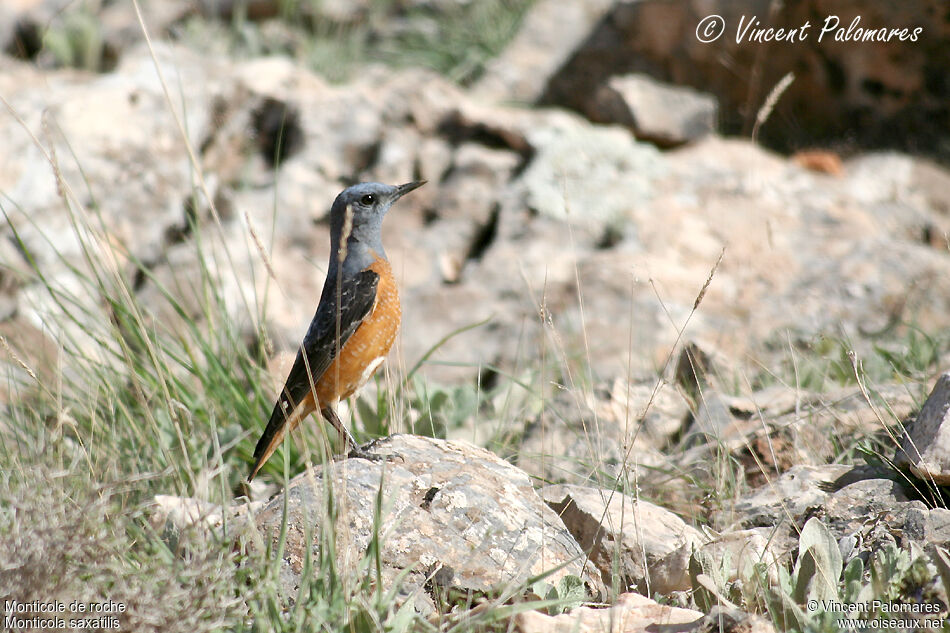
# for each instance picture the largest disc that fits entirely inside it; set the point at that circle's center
(366, 349)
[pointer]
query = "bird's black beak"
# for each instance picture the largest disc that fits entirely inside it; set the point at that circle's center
(402, 190)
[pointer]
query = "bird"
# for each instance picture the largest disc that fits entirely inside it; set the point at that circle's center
(355, 323)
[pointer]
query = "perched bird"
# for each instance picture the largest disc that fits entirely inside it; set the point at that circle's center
(355, 323)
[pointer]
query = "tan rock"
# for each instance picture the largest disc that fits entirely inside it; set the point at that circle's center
(632, 613)
(663, 114)
(548, 35)
(735, 553)
(648, 411)
(649, 545)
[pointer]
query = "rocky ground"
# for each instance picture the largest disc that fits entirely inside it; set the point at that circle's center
(721, 343)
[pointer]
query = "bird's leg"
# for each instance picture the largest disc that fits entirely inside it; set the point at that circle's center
(330, 416)
(352, 449)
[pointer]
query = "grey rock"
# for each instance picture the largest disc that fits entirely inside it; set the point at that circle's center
(659, 113)
(434, 159)
(588, 176)
(770, 402)
(120, 26)
(875, 513)
(525, 207)
(938, 526)
(650, 546)
(863, 506)
(712, 419)
(865, 513)
(823, 278)
(925, 445)
(432, 312)
(529, 212)
(853, 504)
(800, 490)
(447, 507)
(467, 208)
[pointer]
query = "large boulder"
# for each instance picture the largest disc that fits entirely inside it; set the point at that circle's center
(442, 510)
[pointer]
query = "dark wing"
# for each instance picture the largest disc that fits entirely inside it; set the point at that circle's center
(320, 345)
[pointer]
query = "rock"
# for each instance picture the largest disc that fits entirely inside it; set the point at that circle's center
(932, 182)
(725, 620)
(19, 33)
(549, 33)
(700, 366)
(107, 174)
(800, 491)
(183, 512)
(755, 429)
(632, 613)
(253, 9)
(769, 402)
(578, 242)
(712, 421)
(846, 499)
(650, 546)
(867, 515)
(94, 156)
(54, 33)
(937, 526)
(655, 112)
(794, 271)
(590, 177)
(467, 212)
(778, 428)
(925, 445)
(850, 507)
(650, 411)
(121, 28)
(434, 159)
(739, 551)
(447, 507)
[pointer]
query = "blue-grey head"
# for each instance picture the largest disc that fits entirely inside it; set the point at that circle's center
(357, 216)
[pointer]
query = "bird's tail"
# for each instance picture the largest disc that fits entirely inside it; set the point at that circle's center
(279, 425)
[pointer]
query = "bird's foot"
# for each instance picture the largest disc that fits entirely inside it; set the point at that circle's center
(363, 452)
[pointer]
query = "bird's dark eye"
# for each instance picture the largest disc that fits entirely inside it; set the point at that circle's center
(368, 200)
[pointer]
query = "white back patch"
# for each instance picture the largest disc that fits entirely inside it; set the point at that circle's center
(371, 369)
